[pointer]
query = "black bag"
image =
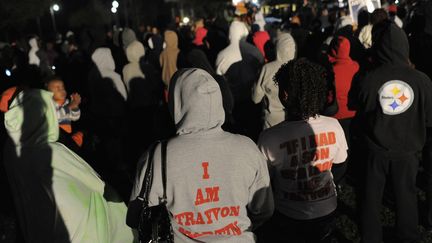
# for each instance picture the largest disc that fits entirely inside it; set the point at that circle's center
(153, 223)
(331, 108)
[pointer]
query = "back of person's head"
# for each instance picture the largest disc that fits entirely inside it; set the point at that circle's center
(389, 44)
(195, 101)
(378, 15)
(302, 88)
(363, 17)
(185, 38)
(255, 28)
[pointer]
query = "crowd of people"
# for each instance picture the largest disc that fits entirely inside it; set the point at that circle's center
(263, 121)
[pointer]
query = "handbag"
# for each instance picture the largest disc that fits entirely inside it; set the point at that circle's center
(331, 107)
(153, 223)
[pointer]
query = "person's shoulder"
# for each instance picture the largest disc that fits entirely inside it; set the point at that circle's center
(241, 140)
(273, 64)
(331, 121)
(327, 119)
(276, 130)
(421, 76)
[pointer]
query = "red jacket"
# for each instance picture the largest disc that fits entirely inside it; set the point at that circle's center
(344, 69)
(200, 34)
(260, 38)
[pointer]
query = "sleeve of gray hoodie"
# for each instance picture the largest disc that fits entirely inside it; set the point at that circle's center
(261, 204)
(258, 89)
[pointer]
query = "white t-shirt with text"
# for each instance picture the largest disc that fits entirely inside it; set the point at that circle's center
(300, 155)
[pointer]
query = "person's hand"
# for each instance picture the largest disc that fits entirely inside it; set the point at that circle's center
(75, 101)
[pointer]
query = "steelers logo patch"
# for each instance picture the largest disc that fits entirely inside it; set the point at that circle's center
(395, 97)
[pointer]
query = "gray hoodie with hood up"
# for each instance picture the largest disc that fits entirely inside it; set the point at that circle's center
(266, 88)
(218, 186)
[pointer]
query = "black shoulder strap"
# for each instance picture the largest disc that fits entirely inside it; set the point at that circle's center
(148, 177)
(164, 159)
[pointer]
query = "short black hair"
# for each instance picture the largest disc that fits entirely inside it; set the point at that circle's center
(51, 79)
(305, 84)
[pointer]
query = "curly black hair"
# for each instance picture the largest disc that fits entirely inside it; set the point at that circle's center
(305, 84)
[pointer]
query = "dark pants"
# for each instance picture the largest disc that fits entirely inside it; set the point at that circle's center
(402, 170)
(427, 165)
(284, 229)
(339, 170)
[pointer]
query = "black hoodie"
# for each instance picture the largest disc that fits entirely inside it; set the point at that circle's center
(395, 102)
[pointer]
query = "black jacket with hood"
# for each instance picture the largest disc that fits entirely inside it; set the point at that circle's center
(394, 100)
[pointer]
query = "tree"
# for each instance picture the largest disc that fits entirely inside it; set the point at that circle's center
(95, 13)
(16, 13)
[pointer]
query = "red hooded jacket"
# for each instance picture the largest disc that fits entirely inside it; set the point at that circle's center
(260, 38)
(344, 69)
(200, 34)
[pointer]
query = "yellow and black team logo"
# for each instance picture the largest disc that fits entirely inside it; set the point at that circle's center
(395, 97)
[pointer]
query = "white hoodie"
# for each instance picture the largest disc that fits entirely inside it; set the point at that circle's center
(33, 58)
(134, 52)
(105, 63)
(266, 88)
(218, 186)
(232, 53)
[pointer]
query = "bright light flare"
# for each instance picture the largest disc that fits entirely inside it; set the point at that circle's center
(56, 7)
(186, 20)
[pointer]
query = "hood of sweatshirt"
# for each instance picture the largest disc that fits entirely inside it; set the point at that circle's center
(260, 38)
(168, 57)
(195, 102)
(341, 52)
(237, 31)
(104, 62)
(200, 34)
(232, 53)
(135, 51)
(285, 48)
(171, 39)
(33, 58)
(128, 36)
(389, 44)
(103, 59)
(33, 44)
(31, 119)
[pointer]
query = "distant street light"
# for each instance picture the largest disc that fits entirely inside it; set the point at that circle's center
(186, 20)
(114, 10)
(56, 7)
(115, 4)
(53, 8)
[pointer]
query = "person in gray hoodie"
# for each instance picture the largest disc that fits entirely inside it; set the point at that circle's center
(218, 185)
(266, 89)
(134, 52)
(128, 36)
